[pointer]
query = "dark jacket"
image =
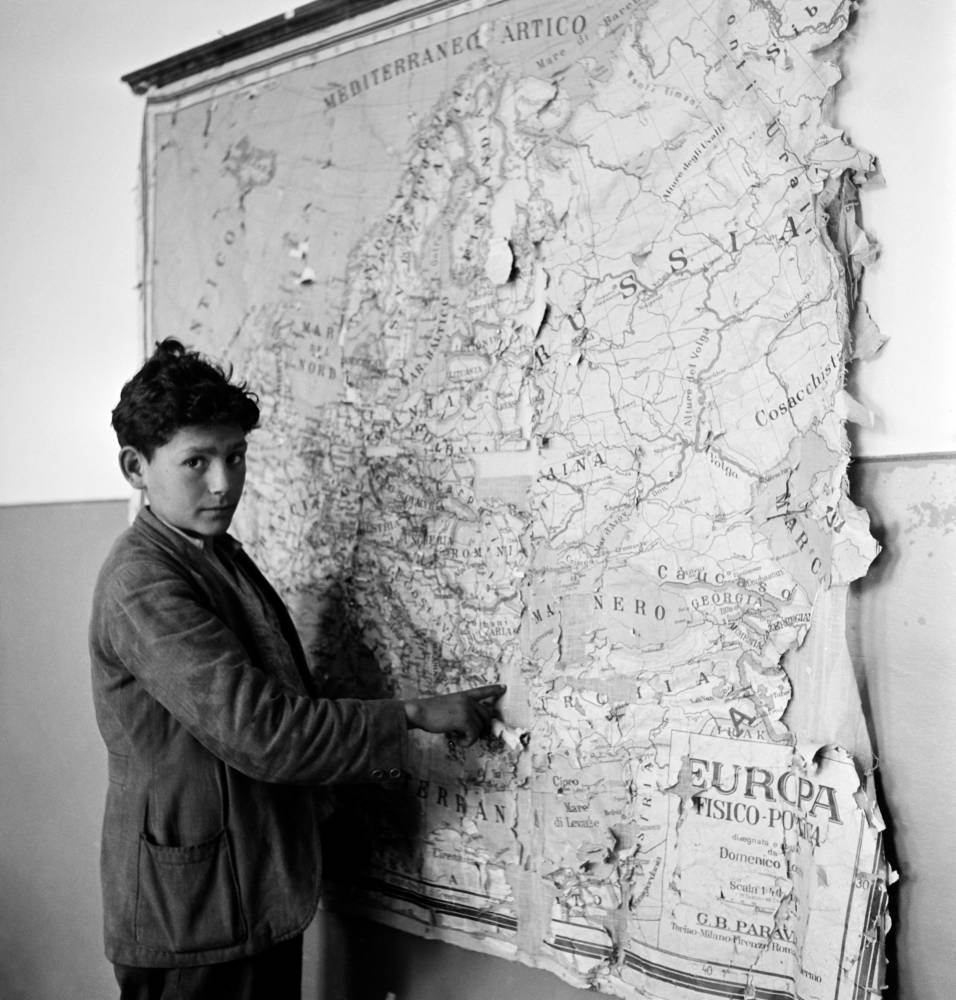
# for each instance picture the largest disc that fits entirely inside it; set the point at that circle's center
(216, 744)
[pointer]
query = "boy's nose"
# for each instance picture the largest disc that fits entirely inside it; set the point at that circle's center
(218, 480)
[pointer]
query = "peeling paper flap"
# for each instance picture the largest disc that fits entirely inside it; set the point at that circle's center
(506, 475)
(499, 262)
(868, 340)
(533, 316)
(506, 464)
(513, 737)
(852, 410)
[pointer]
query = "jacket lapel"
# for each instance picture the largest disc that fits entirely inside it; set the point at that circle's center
(278, 652)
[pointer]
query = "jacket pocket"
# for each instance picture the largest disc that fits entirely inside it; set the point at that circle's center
(187, 898)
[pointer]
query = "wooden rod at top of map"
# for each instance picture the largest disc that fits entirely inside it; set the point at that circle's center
(301, 21)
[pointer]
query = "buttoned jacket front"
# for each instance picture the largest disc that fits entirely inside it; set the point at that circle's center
(218, 749)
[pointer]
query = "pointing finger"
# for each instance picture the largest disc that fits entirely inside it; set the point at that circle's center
(486, 691)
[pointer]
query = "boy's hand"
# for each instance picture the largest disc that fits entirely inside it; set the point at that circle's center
(466, 715)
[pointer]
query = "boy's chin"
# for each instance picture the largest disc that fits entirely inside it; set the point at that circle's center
(215, 522)
(207, 527)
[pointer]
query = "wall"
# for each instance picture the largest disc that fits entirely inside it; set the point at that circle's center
(898, 100)
(69, 262)
(69, 259)
(67, 293)
(903, 641)
(53, 778)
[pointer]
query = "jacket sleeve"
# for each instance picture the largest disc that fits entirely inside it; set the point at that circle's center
(192, 664)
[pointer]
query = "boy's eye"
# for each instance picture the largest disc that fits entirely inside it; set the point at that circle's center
(237, 458)
(195, 462)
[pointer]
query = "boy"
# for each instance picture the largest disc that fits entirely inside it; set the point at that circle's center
(218, 741)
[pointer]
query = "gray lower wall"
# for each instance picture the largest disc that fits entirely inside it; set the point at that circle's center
(53, 773)
(902, 635)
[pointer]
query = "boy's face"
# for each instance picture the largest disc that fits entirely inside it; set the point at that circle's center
(195, 480)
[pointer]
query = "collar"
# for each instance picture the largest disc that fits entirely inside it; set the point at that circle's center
(205, 545)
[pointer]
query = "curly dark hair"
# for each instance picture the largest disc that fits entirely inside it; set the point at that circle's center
(176, 388)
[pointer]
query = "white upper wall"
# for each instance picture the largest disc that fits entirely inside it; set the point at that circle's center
(69, 221)
(70, 329)
(898, 100)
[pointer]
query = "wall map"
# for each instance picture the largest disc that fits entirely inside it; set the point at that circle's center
(550, 310)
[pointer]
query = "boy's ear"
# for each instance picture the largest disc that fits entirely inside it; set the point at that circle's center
(133, 465)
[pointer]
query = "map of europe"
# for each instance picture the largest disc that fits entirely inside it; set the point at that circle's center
(549, 311)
